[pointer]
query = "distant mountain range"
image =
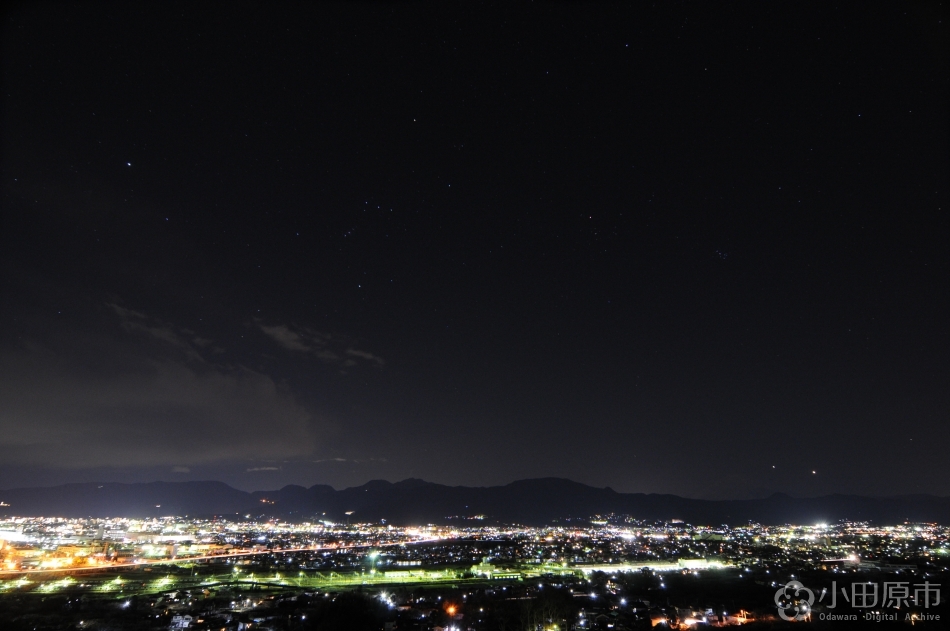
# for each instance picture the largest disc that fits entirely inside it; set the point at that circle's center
(412, 501)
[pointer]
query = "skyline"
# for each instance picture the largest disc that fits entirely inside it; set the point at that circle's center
(685, 250)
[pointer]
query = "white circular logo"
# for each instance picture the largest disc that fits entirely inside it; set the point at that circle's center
(794, 601)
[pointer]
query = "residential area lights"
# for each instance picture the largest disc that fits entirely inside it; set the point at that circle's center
(612, 565)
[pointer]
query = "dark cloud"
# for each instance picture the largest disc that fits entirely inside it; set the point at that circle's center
(158, 404)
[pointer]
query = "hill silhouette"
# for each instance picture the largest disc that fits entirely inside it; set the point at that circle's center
(413, 501)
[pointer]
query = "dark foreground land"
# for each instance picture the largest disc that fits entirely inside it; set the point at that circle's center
(217, 596)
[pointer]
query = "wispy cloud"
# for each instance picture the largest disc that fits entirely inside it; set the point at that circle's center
(352, 352)
(354, 460)
(283, 335)
(264, 469)
(138, 322)
(317, 344)
(125, 313)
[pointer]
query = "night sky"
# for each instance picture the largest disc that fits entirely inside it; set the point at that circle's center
(687, 248)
